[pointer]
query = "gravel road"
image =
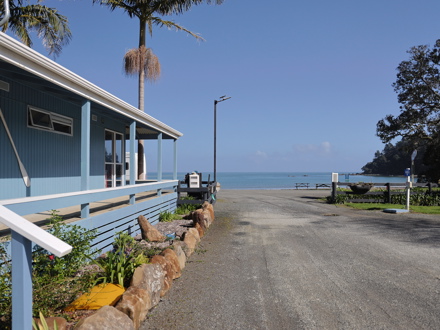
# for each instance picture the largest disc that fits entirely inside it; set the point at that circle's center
(282, 259)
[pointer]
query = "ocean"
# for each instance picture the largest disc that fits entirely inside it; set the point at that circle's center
(282, 180)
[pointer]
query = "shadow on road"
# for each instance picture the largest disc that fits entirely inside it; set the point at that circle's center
(408, 229)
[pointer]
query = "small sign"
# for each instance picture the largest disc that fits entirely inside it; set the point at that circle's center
(407, 172)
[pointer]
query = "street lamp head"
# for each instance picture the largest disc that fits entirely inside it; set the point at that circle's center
(222, 98)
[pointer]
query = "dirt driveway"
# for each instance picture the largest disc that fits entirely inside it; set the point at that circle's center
(282, 259)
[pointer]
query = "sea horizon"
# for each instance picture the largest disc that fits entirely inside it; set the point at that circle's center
(283, 180)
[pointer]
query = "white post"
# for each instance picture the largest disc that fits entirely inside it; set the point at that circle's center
(408, 191)
(335, 180)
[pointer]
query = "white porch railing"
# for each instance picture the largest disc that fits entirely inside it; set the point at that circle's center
(23, 234)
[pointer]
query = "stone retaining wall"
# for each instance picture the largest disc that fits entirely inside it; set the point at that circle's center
(151, 281)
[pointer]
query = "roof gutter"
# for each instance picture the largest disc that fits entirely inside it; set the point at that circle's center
(5, 18)
(14, 52)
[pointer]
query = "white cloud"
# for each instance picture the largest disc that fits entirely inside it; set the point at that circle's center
(325, 148)
(261, 154)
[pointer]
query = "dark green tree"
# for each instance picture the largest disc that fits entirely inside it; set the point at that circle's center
(418, 91)
(393, 159)
(50, 26)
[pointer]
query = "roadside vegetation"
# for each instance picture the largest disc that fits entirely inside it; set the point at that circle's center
(420, 201)
(57, 282)
(181, 211)
(380, 206)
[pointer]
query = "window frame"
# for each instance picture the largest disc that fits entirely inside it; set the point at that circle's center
(54, 118)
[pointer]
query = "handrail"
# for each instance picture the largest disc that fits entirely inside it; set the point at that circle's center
(23, 233)
(31, 205)
(34, 233)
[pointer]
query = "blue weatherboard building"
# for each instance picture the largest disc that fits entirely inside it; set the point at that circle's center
(69, 134)
(63, 143)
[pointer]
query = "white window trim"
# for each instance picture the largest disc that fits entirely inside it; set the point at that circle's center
(113, 162)
(53, 117)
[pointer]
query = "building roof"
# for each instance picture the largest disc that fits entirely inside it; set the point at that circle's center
(24, 58)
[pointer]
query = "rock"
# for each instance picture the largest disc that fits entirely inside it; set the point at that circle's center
(195, 233)
(190, 241)
(167, 269)
(199, 221)
(184, 247)
(149, 233)
(181, 257)
(108, 318)
(149, 277)
(135, 302)
(200, 230)
(61, 323)
(208, 207)
(171, 256)
(208, 217)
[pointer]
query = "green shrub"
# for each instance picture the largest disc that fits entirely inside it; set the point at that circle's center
(167, 216)
(119, 264)
(44, 325)
(54, 282)
(420, 198)
(79, 238)
(5, 287)
(187, 208)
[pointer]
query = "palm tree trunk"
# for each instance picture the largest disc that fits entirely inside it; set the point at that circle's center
(141, 103)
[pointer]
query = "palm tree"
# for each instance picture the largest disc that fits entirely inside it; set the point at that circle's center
(141, 61)
(49, 25)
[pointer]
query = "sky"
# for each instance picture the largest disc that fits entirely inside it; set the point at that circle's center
(308, 80)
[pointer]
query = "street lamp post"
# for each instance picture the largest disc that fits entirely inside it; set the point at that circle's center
(222, 98)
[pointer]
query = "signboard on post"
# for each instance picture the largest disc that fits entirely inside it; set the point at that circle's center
(407, 172)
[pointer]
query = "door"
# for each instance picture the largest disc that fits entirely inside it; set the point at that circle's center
(114, 152)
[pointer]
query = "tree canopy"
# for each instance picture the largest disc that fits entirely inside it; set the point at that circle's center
(48, 23)
(393, 160)
(142, 61)
(418, 91)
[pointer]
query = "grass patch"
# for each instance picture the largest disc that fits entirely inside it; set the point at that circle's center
(380, 206)
(425, 209)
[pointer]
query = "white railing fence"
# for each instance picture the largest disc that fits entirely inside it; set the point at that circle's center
(23, 234)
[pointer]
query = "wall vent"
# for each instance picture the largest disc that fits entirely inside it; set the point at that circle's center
(4, 86)
(94, 117)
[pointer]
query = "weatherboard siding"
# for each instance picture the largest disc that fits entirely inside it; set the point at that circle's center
(52, 160)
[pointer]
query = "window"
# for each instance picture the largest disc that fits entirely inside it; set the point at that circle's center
(114, 151)
(50, 121)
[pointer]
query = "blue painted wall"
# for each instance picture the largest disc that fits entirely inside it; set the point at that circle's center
(52, 160)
